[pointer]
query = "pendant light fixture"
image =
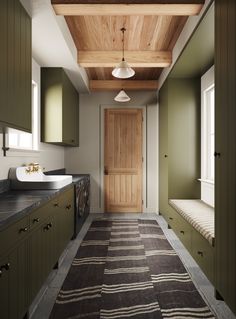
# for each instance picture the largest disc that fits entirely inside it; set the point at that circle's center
(123, 70)
(122, 97)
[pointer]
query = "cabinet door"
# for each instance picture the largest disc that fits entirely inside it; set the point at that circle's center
(16, 66)
(163, 154)
(70, 114)
(14, 283)
(3, 59)
(67, 216)
(42, 254)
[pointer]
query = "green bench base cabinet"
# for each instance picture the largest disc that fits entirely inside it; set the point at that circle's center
(15, 66)
(196, 244)
(30, 248)
(59, 108)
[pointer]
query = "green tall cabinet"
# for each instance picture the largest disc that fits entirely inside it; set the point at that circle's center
(179, 137)
(59, 108)
(15, 66)
(225, 150)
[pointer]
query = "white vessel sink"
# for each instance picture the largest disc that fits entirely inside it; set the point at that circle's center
(21, 179)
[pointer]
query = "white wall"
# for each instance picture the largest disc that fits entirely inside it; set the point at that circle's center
(49, 156)
(88, 158)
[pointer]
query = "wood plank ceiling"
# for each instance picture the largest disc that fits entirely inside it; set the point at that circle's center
(153, 27)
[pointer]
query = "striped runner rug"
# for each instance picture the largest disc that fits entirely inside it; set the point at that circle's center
(126, 268)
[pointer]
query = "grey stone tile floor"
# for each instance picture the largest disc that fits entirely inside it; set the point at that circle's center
(42, 306)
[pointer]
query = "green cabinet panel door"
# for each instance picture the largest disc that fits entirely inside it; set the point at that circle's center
(163, 151)
(179, 137)
(225, 147)
(29, 250)
(16, 60)
(59, 108)
(14, 282)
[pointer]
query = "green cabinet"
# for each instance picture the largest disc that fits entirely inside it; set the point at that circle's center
(179, 137)
(14, 283)
(15, 65)
(52, 228)
(29, 250)
(59, 108)
(163, 151)
(225, 146)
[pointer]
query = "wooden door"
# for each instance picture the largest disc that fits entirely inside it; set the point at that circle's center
(123, 160)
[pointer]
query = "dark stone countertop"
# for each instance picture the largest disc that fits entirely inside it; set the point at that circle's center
(16, 204)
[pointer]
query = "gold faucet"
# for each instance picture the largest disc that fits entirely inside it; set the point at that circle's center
(32, 168)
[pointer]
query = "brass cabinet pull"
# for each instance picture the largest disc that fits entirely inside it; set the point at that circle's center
(105, 171)
(68, 206)
(48, 226)
(165, 155)
(216, 154)
(36, 220)
(23, 230)
(171, 218)
(6, 267)
(182, 232)
(200, 253)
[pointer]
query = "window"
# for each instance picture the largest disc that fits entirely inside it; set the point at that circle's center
(20, 140)
(208, 133)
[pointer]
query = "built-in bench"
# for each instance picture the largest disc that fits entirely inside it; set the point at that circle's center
(193, 223)
(198, 214)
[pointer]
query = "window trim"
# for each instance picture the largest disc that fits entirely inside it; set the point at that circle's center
(207, 83)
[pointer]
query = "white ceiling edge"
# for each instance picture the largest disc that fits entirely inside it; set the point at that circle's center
(52, 43)
(184, 37)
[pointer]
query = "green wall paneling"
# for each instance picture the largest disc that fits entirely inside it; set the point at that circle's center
(225, 168)
(16, 60)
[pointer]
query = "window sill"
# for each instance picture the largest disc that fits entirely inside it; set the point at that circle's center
(17, 152)
(207, 181)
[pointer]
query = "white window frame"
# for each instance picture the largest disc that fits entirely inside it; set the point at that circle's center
(34, 150)
(206, 140)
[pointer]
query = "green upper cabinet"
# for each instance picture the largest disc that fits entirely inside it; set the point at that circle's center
(59, 107)
(15, 65)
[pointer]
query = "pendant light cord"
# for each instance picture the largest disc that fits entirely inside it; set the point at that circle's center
(123, 40)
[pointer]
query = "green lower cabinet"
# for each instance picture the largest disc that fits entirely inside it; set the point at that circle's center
(196, 244)
(66, 218)
(184, 231)
(29, 250)
(14, 283)
(42, 254)
(203, 253)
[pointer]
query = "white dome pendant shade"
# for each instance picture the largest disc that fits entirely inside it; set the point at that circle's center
(123, 70)
(122, 97)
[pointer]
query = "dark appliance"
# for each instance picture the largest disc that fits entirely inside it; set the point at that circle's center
(82, 200)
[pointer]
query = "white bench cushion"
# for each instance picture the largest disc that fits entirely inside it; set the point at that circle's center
(200, 215)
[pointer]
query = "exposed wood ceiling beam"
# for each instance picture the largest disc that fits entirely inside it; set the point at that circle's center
(141, 59)
(112, 85)
(126, 8)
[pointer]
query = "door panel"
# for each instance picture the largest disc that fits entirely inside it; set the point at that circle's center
(123, 160)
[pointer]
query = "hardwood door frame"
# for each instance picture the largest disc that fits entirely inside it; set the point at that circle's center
(102, 150)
